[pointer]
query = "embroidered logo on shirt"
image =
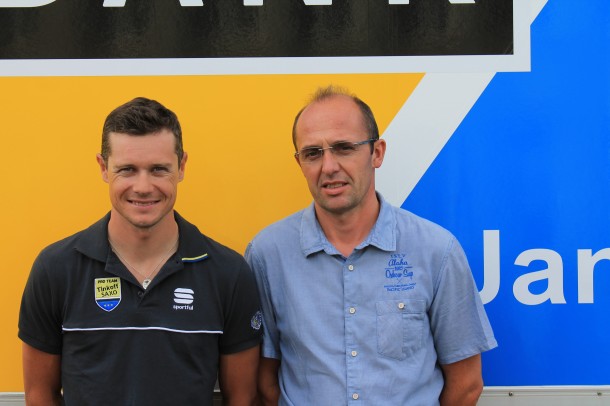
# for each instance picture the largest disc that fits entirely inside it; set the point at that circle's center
(400, 273)
(257, 320)
(183, 297)
(108, 293)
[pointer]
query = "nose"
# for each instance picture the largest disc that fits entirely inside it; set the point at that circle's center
(142, 183)
(330, 164)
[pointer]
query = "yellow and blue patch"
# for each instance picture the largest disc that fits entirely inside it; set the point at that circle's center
(108, 293)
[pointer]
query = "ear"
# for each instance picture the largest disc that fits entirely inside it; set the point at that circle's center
(103, 167)
(182, 167)
(378, 153)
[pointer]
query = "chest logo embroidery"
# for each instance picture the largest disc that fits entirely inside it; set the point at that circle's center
(399, 274)
(183, 299)
(108, 293)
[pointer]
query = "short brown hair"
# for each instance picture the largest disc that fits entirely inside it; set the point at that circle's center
(141, 116)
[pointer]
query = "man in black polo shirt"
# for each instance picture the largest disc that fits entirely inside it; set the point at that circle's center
(140, 308)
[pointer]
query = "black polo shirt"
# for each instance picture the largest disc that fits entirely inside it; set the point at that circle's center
(123, 345)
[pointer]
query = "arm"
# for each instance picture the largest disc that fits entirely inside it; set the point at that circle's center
(237, 377)
(41, 377)
(268, 385)
(463, 382)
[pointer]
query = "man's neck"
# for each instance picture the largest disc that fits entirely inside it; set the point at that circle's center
(142, 242)
(346, 230)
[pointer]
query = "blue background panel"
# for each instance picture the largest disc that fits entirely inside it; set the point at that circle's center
(532, 159)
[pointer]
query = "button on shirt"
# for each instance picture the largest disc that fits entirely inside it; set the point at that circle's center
(372, 328)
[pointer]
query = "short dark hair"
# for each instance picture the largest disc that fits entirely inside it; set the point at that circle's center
(327, 92)
(141, 116)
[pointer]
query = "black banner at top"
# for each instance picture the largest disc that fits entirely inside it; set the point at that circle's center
(85, 29)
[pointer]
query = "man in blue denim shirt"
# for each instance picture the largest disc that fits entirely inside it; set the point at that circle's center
(363, 303)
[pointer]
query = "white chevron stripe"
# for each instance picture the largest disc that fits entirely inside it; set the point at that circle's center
(422, 127)
(431, 115)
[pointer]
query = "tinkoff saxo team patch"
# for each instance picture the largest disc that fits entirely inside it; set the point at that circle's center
(108, 293)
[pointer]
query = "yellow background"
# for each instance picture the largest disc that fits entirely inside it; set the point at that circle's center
(240, 175)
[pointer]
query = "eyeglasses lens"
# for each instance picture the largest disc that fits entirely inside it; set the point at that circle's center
(340, 149)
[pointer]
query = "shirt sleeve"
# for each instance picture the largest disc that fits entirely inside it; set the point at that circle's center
(40, 323)
(460, 326)
(242, 329)
(270, 345)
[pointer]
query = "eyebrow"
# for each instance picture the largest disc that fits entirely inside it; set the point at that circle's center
(334, 143)
(154, 165)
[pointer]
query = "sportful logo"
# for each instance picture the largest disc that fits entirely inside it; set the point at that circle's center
(183, 297)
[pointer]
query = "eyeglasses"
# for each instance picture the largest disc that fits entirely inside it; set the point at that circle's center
(339, 149)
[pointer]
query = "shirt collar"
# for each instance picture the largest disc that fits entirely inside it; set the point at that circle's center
(192, 245)
(382, 235)
(93, 241)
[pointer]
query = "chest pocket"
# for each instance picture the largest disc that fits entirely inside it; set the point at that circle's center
(400, 327)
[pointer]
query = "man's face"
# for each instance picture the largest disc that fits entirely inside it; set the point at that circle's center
(338, 184)
(143, 175)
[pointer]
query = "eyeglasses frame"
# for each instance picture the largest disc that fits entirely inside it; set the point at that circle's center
(355, 144)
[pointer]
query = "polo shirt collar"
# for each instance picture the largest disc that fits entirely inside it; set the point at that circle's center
(93, 242)
(193, 245)
(382, 235)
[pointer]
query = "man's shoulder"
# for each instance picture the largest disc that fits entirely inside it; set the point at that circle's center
(194, 243)
(219, 250)
(61, 248)
(281, 230)
(69, 245)
(411, 224)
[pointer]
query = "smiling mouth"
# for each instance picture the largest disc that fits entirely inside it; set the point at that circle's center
(143, 204)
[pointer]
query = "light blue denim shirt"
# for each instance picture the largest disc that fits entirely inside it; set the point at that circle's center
(372, 328)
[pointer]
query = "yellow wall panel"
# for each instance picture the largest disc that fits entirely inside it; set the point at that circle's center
(240, 175)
